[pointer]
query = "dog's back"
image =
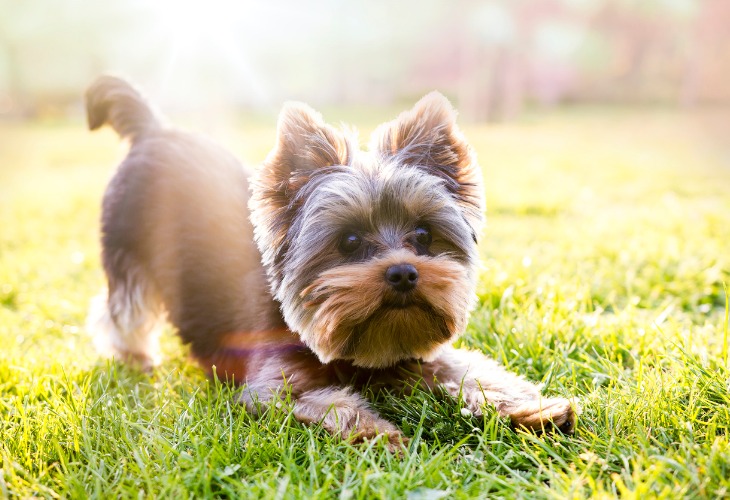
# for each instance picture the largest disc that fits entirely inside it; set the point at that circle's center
(176, 235)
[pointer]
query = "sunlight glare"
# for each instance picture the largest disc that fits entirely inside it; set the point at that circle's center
(189, 23)
(199, 35)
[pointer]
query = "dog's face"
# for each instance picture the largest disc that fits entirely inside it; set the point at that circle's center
(372, 255)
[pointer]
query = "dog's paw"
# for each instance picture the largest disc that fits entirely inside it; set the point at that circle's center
(347, 415)
(544, 414)
(394, 440)
(370, 427)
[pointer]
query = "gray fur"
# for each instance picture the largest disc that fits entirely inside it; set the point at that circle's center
(177, 240)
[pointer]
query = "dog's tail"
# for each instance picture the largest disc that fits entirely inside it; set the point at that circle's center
(116, 102)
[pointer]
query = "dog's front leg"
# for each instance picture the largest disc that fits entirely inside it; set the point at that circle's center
(478, 380)
(318, 400)
(344, 412)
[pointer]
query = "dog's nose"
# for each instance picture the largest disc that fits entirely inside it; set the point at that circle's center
(402, 277)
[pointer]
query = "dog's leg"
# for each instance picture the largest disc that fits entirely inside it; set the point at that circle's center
(345, 413)
(338, 409)
(478, 380)
(126, 322)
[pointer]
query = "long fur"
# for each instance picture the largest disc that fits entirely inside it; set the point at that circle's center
(261, 285)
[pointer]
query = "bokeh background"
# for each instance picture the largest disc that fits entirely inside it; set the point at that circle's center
(494, 58)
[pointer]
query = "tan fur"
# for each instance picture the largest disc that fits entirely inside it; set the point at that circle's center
(345, 413)
(332, 319)
(350, 295)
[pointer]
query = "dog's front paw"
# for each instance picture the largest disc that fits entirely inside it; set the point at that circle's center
(346, 414)
(368, 429)
(365, 426)
(544, 414)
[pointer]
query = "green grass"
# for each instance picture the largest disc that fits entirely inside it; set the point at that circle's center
(605, 261)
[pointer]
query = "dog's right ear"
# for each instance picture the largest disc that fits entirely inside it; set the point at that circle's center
(304, 144)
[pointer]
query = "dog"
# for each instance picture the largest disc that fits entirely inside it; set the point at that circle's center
(326, 269)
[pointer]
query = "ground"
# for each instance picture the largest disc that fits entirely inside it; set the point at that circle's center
(605, 258)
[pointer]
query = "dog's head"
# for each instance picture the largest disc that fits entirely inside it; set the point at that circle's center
(373, 255)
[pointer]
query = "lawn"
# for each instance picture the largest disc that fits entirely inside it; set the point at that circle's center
(605, 259)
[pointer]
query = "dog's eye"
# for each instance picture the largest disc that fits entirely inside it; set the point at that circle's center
(423, 236)
(350, 242)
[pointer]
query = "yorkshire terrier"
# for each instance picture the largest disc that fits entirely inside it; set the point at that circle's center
(327, 269)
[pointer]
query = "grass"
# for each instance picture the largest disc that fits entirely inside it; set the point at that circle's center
(605, 261)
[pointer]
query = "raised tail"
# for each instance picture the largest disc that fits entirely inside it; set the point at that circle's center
(116, 102)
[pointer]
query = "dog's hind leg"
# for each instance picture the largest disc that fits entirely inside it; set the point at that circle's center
(126, 321)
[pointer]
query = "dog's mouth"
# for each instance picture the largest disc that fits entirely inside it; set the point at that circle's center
(401, 301)
(350, 312)
(391, 329)
(401, 307)
(412, 327)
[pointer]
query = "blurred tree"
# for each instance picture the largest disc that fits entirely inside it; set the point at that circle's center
(494, 56)
(707, 57)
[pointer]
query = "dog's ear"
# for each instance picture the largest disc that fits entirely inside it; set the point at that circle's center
(427, 137)
(304, 143)
(305, 147)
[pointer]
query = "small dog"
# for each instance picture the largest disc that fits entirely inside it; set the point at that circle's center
(341, 267)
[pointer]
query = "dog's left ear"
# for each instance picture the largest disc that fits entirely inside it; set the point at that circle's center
(427, 137)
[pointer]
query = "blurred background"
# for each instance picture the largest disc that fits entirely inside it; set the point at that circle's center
(602, 127)
(495, 59)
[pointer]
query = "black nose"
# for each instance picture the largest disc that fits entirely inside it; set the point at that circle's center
(402, 277)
